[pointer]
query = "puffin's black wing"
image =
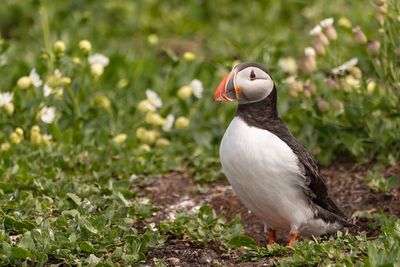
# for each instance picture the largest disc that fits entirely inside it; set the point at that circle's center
(315, 187)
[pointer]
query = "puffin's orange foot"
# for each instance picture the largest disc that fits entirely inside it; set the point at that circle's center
(293, 237)
(271, 236)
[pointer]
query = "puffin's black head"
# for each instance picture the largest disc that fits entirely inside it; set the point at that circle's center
(246, 83)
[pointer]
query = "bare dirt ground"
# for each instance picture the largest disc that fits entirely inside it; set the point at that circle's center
(177, 193)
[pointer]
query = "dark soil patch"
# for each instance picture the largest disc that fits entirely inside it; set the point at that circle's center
(175, 193)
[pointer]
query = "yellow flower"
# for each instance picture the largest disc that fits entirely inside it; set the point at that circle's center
(9, 108)
(46, 139)
(182, 123)
(152, 39)
(154, 119)
(24, 82)
(35, 129)
(371, 85)
(144, 147)
(151, 137)
(85, 46)
(15, 138)
(141, 133)
(76, 60)
(66, 80)
(162, 142)
(19, 131)
(345, 23)
(59, 92)
(352, 82)
(102, 101)
(122, 83)
(189, 56)
(185, 92)
(59, 47)
(356, 72)
(97, 69)
(5, 146)
(36, 138)
(55, 79)
(145, 106)
(120, 138)
(145, 136)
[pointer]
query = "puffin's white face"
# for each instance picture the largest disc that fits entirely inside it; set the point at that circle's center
(247, 83)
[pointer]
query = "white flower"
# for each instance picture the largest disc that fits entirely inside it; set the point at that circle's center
(48, 114)
(133, 177)
(197, 86)
(288, 64)
(309, 51)
(5, 98)
(35, 78)
(327, 22)
(345, 66)
(93, 260)
(153, 98)
(143, 200)
(57, 73)
(98, 59)
(47, 90)
(289, 80)
(169, 121)
(153, 227)
(316, 30)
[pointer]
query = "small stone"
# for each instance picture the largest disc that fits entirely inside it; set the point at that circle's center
(174, 261)
(205, 258)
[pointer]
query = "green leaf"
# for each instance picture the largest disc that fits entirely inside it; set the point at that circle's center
(27, 242)
(19, 253)
(88, 226)
(72, 213)
(74, 198)
(17, 225)
(86, 246)
(242, 241)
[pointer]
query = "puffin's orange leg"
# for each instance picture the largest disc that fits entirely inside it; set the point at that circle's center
(271, 236)
(293, 237)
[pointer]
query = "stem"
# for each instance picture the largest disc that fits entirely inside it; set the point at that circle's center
(75, 107)
(44, 23)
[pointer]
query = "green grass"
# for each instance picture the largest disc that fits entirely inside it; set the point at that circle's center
(67, 190)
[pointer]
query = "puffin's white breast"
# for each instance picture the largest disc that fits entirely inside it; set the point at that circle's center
(263, 170)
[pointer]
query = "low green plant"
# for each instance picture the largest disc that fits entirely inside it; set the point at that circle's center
(378, 182)
(203, 226)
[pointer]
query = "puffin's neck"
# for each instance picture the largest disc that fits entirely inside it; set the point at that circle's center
(260, 114)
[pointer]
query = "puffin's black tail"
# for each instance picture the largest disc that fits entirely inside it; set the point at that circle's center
(332, 217)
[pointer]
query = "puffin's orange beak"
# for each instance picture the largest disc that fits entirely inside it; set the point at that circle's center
(225, 91)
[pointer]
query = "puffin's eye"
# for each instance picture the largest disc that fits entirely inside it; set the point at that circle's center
(252, 75)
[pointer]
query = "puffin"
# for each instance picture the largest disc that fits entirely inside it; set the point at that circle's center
(270, 171)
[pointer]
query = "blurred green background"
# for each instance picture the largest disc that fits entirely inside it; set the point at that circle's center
(83, 124)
